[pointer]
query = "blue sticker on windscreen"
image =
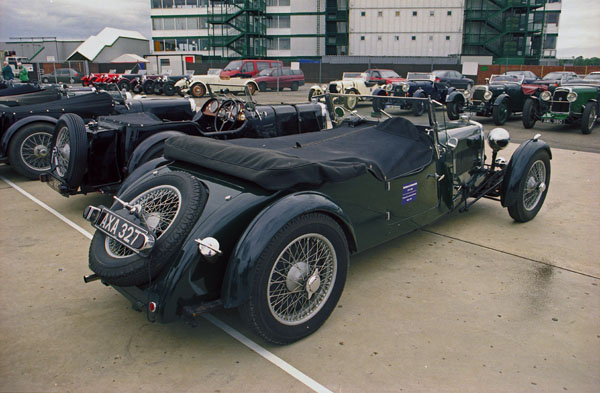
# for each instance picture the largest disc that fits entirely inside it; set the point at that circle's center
(409, 193)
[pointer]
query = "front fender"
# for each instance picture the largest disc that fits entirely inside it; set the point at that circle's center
(14, 128)
(455, 96)
(380, 92)
(419, 93)
(516, 169)
(140, 171)
(146, 145)
(317, 89)
(501, 98)
(261, 230)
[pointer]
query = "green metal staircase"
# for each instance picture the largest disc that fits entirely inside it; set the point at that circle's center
(237, 28)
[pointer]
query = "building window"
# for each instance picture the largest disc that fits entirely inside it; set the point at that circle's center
(397, 13)
(431, 13)
(430, 38)
(449, 13)
(379, 13)
(180, 24)
(278, 43)
(447, 38)
(414, 13)
(165, 62)
(397, 38)
(379, 38)
(363, 13)
(552, 17)
(275, 3)
(157, 24)
(362, 37)
(168, 23)
(413, 38)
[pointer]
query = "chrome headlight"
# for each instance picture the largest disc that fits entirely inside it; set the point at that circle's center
(572, 96)
(324, 87)
(388, 87)
(498, 139)
(545, 96)
(192, 104)
(405, 87)
(466, 94)
(487, 95)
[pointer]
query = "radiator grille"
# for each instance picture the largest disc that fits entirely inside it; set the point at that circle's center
(478, 94)
(559, 101)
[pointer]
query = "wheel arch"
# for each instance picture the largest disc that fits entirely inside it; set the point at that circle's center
(259, 233)
(455, 95)
(318, 90)
(516, 168)
(501, 98)
(136, 157)
(16, 126)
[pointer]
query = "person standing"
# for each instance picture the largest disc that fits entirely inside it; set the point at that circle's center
(23, 74)
(7, 73)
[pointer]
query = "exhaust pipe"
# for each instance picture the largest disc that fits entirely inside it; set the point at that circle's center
(90, 278)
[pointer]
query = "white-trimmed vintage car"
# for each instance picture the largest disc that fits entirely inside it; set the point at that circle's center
(195, 85)
(351, 83)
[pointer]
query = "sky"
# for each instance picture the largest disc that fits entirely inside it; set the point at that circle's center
(579, 27)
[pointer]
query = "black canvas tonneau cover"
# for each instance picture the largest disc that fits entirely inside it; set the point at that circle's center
(135, 119)
(389, 150)
(23, 88)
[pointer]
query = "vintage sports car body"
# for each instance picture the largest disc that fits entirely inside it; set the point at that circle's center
(26, 131)
(352, 84)
(100, 155)
(268, 225)
(417, 84)
(501, 97)
(196, 85)
(568, 104)
(27, 93)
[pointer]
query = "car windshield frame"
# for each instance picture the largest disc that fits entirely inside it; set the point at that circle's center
(225, 90)
(503, 78)
(555, 75)
(592, 77)
(389, 74)
(214, 71)
(420, 76)
(352, 75)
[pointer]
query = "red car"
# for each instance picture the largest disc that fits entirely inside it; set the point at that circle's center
(279, 77)
(248, 68)
(383, 76)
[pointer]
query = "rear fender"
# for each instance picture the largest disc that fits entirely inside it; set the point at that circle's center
(261, 230)
(516, 168)
(420, 93)
(455, 96)
(15, 127)
(137, 157)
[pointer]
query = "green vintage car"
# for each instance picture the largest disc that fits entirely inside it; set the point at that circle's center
(568, 104)
(268, 226)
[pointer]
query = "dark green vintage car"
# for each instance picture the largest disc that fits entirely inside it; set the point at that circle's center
(568, 104)
(501, 97)
(268, 225)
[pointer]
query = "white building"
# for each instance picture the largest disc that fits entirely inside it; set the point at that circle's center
(405, 27)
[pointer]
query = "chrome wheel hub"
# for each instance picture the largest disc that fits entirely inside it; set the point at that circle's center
(34, 151)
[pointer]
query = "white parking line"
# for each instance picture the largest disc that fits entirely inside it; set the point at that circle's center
(282, 364)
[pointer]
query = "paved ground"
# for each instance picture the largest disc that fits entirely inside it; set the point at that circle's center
(472, 303)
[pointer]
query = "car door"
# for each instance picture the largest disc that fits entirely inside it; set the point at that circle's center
(275, 78)
(247, 70)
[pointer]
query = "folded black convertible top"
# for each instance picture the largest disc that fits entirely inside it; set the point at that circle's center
(388, 150)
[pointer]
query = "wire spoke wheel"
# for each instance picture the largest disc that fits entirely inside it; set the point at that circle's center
(535, 185)
(160, 206)
(35, 151)
(302, 279)
(63, 151)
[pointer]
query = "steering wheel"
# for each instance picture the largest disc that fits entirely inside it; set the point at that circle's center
(226, 115)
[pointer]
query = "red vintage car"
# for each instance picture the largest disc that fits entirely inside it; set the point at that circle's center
(383, 76)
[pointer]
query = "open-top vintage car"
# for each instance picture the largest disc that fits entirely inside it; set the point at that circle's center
(98, 156)
(576, 103)
(196, 85)
(501, 97)
(417, 84)
(268, 225)
(26, 131)
(355, 85)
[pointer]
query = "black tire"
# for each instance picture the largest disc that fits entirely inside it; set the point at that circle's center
(311, 93)
(351, 102)
(124, 85)
(453, 109)
(69, 150)
(157, 89)
(262, 86)
(531, 193)
(501, 112)
(118, 265)
(29, 149)
(137, 89)
(294, 86)
(530, 112)
(197, 90)
(378, 104)
(589, 118)
(148, 86)
(262, 314)
(45, 80)
(169, 89)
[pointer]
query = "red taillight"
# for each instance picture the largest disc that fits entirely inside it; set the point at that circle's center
(438, 79)
(152, 306)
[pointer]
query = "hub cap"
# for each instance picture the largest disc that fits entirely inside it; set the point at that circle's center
(535, 186)
(34, 151)
(302, 279)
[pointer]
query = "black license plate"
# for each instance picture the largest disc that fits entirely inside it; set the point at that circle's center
(123, 231)
(554, 121)
(54, 184)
